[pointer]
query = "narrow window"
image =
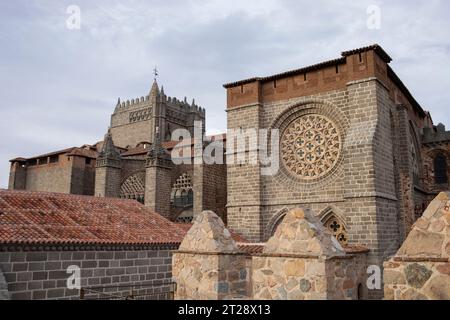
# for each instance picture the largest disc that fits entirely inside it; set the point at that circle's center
(54, 159)
(337, 69)
(360, 292)
(360, 57)
(440, 169)
(304, 76)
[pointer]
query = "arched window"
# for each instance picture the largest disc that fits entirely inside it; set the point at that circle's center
(440, 169)
(337, 228)
(182, 194)
(331, 219)
(134, 187)
(190, 196)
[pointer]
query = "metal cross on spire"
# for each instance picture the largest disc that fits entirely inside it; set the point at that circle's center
(155, 72)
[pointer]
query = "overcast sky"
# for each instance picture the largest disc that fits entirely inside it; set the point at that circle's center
(59, 86)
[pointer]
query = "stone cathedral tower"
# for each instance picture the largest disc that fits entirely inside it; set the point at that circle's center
(136, 120)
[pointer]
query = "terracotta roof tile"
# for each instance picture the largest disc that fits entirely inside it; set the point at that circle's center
(251, 248)
(135, 151)
(49, 218)
(170, 145)
(84, 152)
(47, 154)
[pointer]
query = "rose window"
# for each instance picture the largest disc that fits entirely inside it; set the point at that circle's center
(310, 146)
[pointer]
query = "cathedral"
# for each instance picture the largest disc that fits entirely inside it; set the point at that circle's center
(355, 147)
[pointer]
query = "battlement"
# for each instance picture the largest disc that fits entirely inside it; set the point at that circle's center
(161, 97)
(436, 134)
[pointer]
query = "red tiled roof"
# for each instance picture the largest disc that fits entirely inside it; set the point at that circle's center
(83, 152)
(47, 154)
(251, 248)
(257, 248)
(169, 145)
(140, 150)
(356, 249)
(50, 218)
(74, 151)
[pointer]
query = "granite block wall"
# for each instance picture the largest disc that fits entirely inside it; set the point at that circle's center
(35, 275)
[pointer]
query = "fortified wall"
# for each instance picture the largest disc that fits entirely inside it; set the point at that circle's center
(303, 261)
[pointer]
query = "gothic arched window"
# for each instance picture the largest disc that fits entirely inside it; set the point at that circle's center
(338, 229)
(134, 187)
(331, 219)
(182, 194)
(440, 169)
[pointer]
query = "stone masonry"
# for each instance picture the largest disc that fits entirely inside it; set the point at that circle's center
(38, 275)
(4, 294)
(208, 264)
(421, 268)
(302, 261)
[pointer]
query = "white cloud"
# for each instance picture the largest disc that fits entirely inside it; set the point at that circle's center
(58, 87)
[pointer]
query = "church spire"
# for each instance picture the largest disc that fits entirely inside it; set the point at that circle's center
(158, 155)
(154, 91)
(109, 151)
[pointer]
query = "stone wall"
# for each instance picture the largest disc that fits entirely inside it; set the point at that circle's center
(429, 152)
(42, 274)
(4, 294)
(421, 268)
(210, 189)
(82, 177)
(54, 177)
(70, 175)
(302, 261)
(107, 182)
(208, 264)
(361, 185)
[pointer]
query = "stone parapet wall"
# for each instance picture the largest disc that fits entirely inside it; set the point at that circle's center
(302, 261)
(210, 276)
(421, 268)
(209, 265)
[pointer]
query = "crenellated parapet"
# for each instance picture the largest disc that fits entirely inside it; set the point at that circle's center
(436, 134)
(161, 97)
(135, 120)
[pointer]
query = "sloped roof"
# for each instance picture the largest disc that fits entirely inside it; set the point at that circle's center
(170, 145)
(85, 151)
(50, 218)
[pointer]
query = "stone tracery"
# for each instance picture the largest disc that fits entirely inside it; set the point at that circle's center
(134, 187)
(310, 146)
